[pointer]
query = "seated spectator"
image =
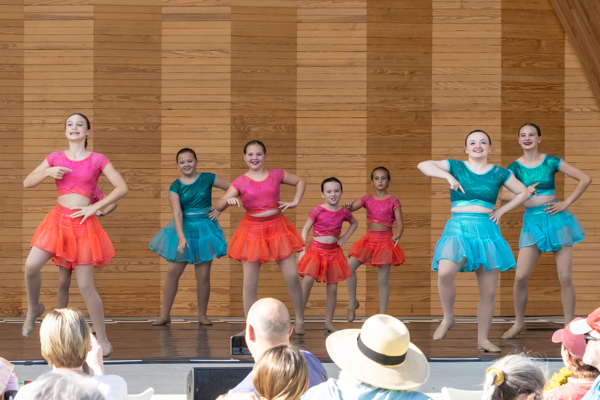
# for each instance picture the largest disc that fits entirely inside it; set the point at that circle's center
(514, 378)
(63, 386)
(377, 362)
(590, 328)
(581, 377)
(268, 325)
(67, 344)
(281, 374)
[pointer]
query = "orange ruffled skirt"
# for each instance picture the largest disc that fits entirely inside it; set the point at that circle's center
(325, 262)
(376, 248)
(264, 239)
(73, 243)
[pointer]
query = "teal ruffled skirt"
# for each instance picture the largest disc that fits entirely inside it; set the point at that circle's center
(205, 238)
(550, 232)
(478, 239)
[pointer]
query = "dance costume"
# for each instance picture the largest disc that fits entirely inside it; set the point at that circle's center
(267, 238)
(326, 262)
(71, 242)
(548, 232)
(376, 247)
(473, 235)
(205, 237)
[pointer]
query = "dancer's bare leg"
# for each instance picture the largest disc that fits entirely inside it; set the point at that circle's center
(64, 283)
(353, 263)
(383, 278)
(174, 271)
(330, 306)
(487, 281)
(307, 284)
(249, 293)
(290, 273)
(564, 265)
(202, 272)
(526, 260)
(447, 270)
(33, 282)
(87, 287)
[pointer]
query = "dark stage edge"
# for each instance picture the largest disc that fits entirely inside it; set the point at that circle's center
(136, 341)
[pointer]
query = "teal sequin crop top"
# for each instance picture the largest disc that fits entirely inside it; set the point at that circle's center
(195, 198)
(480, 189)
(543, 173)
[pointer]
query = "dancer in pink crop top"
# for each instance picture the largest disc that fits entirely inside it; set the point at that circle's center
(264, 233)
(324, 260)
(70, 234)
(379, 247)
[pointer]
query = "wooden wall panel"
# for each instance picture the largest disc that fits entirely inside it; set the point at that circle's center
(399, 117)
(467, 76)
(12, 31)
(127, 116)
(196, 102)
(533, 90)
(332, 116)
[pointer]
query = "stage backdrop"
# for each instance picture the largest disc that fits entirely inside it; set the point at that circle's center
(332, 87)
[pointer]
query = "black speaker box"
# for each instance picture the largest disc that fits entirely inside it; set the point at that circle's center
(210, 382)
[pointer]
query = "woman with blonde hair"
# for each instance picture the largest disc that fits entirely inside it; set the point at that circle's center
(514, 377)
(281, 374)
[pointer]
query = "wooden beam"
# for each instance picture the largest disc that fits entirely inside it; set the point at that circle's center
(581, 21)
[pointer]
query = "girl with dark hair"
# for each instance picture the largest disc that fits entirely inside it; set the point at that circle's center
(471, 240)
(379, 247)
(70, 234)
(264, 233)
(548, 226)
(193, 236)
(324, 260)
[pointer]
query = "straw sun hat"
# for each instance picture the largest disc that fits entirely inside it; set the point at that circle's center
(380, 354)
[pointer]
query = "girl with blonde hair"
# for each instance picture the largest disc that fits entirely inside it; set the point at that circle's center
(281, 373)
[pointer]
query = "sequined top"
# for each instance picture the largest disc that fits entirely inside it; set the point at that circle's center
(329, 223)
(197, 196)
(259, 196)
(480, 189)
(543, 173)
(84, 174)
(380, 211)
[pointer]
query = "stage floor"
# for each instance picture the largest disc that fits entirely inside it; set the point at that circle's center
(136, 340)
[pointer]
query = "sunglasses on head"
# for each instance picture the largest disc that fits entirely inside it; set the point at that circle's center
(589, 337)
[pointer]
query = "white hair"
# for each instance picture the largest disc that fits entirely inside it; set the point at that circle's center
(520, 375)
(65, 386)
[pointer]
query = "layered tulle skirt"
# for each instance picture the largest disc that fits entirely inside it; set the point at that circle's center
(264, 239)
(478, 239)
(376, 248)
(325, 262)
(550, 232)
(72, 242)
(206, 240)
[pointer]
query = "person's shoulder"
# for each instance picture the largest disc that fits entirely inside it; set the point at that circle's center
(328, 389)
(117, 385)
(308, 355)
(245, 386)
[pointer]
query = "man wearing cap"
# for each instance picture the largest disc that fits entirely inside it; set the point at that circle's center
(377, 362)
(590, 328)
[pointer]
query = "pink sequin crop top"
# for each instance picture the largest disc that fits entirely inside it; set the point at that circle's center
(259, 196)
(84, 174)
(380, 211)
(329, 223)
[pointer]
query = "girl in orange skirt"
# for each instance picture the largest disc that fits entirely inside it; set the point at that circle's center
(379, 247)
(324, 259)
(70, 234)
(264, 233)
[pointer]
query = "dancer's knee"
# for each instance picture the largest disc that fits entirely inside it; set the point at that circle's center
(565, 278)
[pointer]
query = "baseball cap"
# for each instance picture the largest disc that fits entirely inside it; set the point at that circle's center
(573, 342)
(591, 323)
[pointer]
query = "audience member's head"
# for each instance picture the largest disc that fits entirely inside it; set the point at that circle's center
(590, 328)
(281, 373)
(65, 338)
(573, 351)
(514, 378)
(267, 325)
(379, 354)
(64, 386)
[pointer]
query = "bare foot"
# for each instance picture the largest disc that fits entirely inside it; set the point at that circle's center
(204, 320)
(441, 330)
(352, 312)
(330, 328)
(488, 347)
(162, 321)
(299, 328)
(513, 332)
(29, 323)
